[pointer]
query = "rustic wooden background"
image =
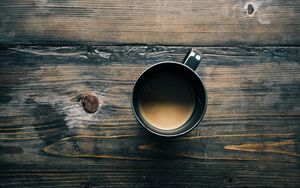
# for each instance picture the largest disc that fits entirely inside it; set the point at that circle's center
(53, 52)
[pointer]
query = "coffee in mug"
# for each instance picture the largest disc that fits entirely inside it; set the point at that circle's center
(166, 100)
(169, 98)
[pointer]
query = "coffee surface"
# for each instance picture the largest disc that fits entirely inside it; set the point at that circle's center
(166, 100)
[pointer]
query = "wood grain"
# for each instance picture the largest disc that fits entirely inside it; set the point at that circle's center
(166, 22)
(248, 137)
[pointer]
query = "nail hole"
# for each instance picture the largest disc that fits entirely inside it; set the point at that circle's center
(250, 9)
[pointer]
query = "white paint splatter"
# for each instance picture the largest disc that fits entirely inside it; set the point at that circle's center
(83, 56)
(105, 55)
(263, 19)
(46, 52)
(259, 9)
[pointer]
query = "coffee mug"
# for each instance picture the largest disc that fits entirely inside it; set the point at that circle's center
(169, 99)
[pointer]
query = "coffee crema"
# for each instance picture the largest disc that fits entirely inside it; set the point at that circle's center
(166, 100)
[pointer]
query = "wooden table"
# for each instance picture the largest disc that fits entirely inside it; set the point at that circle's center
(55, 54)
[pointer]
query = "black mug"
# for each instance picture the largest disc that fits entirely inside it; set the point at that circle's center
(185, 78)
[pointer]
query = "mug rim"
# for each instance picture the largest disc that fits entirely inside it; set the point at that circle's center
(176, 134)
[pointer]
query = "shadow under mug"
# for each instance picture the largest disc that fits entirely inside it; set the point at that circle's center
(187, 71)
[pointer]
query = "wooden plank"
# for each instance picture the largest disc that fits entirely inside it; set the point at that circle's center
(166, 22)
(249, 135)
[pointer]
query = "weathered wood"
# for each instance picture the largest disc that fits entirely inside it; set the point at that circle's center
(249, 136)
(163, 22)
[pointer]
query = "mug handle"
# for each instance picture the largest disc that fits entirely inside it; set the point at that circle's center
(193, 58)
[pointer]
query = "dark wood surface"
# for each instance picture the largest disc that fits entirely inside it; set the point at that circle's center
(172, 22)
(249, 136)
(56, 56)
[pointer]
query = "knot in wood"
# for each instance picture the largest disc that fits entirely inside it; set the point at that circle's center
(90, 102)
(250, 9)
